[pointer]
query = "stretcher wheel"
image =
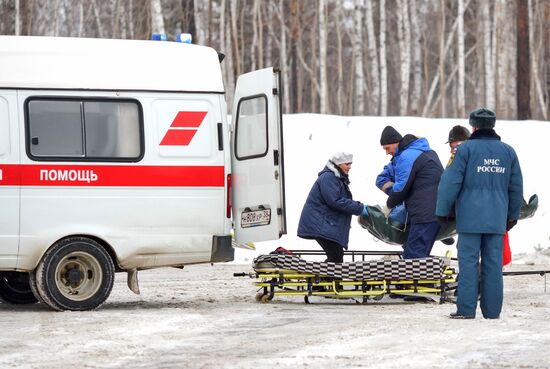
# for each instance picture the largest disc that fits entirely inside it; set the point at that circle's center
(262, 297)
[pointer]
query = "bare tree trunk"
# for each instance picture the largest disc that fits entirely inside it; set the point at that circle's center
(383, 64)
(488, 56)
(157, 20)
(234, 37)
(339, 67)
(535, 63)
(359, 100)
(442, 57)
(225, 47)
(199, 22)
(284, 59)
(461, 63)
(373, 60)
(503, 32)
(17, 19)
(403, 35)
(254, 43)
(81, 18)
(324, 109)
(416, 59)
(294, 41)
(523, 73)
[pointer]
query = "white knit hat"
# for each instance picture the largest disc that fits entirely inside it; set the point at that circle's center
(341, 158)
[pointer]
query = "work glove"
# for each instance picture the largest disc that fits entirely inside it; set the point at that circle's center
(365, 211)
(510, 223)
(386, 211)
(443, 221)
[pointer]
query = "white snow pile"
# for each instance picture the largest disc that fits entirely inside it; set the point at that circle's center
(309, 139)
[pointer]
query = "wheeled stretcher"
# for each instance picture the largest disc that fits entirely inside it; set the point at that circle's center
(290, 275)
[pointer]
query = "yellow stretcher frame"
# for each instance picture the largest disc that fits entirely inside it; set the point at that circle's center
(287, 282)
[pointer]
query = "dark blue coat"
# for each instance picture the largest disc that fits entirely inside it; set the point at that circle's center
(485, 181)
(328, 208)
(417, 170)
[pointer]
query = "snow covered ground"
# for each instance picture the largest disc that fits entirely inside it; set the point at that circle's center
(203, 317)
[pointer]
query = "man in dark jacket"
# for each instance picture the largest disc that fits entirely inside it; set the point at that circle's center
(485, 181)
(412, 176)
(326, 215)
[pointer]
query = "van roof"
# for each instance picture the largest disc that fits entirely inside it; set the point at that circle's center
(107, 64)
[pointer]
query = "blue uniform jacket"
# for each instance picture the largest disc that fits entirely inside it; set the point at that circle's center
(328, 208)
(486, 182)
(417, 170)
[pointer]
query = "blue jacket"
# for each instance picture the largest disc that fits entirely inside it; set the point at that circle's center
(328, 208)
(486, 182)
(416, 171)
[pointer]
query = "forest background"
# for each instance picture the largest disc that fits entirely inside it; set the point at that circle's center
(430, 58)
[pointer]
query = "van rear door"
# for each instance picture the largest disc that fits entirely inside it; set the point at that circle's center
(258, 193)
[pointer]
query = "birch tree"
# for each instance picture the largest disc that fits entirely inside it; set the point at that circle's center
(523, 73)
(359, 96)
(323, 96)
(157, 20)
(488, 55)
(461, 63)
(373, 60)
(416, 58)
(383, 64)
(403, 35)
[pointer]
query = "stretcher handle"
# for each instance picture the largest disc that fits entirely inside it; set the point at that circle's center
(239, 274)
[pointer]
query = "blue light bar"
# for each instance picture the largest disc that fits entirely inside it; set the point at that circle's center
(158, 37)
(185, 38)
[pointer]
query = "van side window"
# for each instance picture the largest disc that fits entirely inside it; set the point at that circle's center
(251, 139)
(84, 129)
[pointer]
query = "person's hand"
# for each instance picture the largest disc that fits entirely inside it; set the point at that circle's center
(386, 211)
(365, 212)
(510, 223)
(443, 221)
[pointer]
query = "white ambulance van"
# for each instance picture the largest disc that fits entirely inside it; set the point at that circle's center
(117, 156)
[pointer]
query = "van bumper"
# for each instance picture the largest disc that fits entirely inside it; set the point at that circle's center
(222, 250)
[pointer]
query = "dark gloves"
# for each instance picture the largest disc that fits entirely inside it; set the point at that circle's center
(443, 221)
(510, 223)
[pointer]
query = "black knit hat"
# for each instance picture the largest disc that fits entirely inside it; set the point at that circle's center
(390, 136)
(458, 133)
(482, 118)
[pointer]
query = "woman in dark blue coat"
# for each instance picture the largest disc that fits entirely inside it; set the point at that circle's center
(326, 216)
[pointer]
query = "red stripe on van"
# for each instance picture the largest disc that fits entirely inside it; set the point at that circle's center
(111, 175)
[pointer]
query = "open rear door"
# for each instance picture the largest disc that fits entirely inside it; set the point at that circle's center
(258, 196)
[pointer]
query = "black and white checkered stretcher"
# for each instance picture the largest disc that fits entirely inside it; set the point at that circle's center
(288, 275)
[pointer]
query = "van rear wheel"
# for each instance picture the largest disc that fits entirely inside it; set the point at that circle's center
(75, 274)
(15, 288)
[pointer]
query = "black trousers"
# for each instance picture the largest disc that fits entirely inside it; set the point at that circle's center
(334, 251)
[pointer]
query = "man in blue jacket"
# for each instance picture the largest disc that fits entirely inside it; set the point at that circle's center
(485, 181)
(412, 176)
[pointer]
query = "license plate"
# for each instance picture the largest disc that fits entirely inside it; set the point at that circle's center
(255, 218)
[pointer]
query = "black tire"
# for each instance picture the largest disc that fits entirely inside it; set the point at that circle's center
(34, 289)
(15, 288)
(76, 273)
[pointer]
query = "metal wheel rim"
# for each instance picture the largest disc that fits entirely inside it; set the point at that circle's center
(78, 262)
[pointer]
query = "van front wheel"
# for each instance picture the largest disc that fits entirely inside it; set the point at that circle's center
(75, 274)
(15, 288)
